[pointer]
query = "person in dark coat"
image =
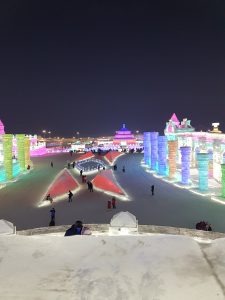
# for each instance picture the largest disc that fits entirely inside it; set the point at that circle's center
(52, 164)
(52, 223)
(75, 229)
(70, 194)
(209, 227)
(152, 189)
(113, 202)
(88, 184)
(81, 172)
(109, 204)
(52, 212)
(91, 186)
(123, 169)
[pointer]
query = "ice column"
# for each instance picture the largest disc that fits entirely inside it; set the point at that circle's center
(27, 151)
(223, 180)
(203, 170)
(172, 156)
(154, 150)
(7, 150)
(162, 151)
(147, 148)
(185, 164)
(20, 138)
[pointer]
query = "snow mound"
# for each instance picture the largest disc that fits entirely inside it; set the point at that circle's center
(123, 219)
(6, 227)
(123, 223)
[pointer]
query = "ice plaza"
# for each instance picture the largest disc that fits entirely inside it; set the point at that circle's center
(154, 235)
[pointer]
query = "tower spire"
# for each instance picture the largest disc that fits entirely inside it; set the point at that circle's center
(2, 128)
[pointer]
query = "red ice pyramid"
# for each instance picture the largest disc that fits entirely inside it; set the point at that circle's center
(85, 156)
(62, 183)
(111, 156)
(105, 181)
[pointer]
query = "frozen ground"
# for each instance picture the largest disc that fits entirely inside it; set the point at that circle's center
(169, 206)
(113, 268)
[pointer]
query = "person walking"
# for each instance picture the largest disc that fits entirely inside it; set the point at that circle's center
(152, 189)
(81, 172)
(113, 202)
(52, 164)
(123, 169)
(88, 184)
(52, 221)
(70, 194)
(109, 204)
(91, 186)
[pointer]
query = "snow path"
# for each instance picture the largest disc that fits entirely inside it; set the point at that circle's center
(169, 206)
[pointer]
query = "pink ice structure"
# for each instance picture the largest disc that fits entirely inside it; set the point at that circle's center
(175, 119)
(2, 128)
(106, 182)
(38, 151)
(62, 183)
(111, 156)
(86, 156)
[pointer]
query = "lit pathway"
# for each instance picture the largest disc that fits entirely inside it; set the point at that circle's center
(170, 206)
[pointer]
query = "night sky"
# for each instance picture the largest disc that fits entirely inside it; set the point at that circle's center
(89, 66)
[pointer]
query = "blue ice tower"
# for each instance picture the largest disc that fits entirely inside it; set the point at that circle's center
(162, 153)
(203, 170)
(147, 148)
(185, 164)
(154, 150)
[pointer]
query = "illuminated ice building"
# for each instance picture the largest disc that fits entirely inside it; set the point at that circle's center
(124, 138)
(211, 142)
(14, 154)
(184, 154)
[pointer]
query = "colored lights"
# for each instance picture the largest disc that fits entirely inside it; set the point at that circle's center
(27, 151)
(7, 150)
(162, 152)
(154, 150)
(21, 150)
(203, 169)
(2, 128)
(172, 155)
(185, 161)
(124, 137)
(147, 148)
(223, 180)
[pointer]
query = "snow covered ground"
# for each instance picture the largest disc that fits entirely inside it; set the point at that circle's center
(170, 206)
(157, 267)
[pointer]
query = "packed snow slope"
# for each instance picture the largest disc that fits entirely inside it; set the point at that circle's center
(156, 267)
